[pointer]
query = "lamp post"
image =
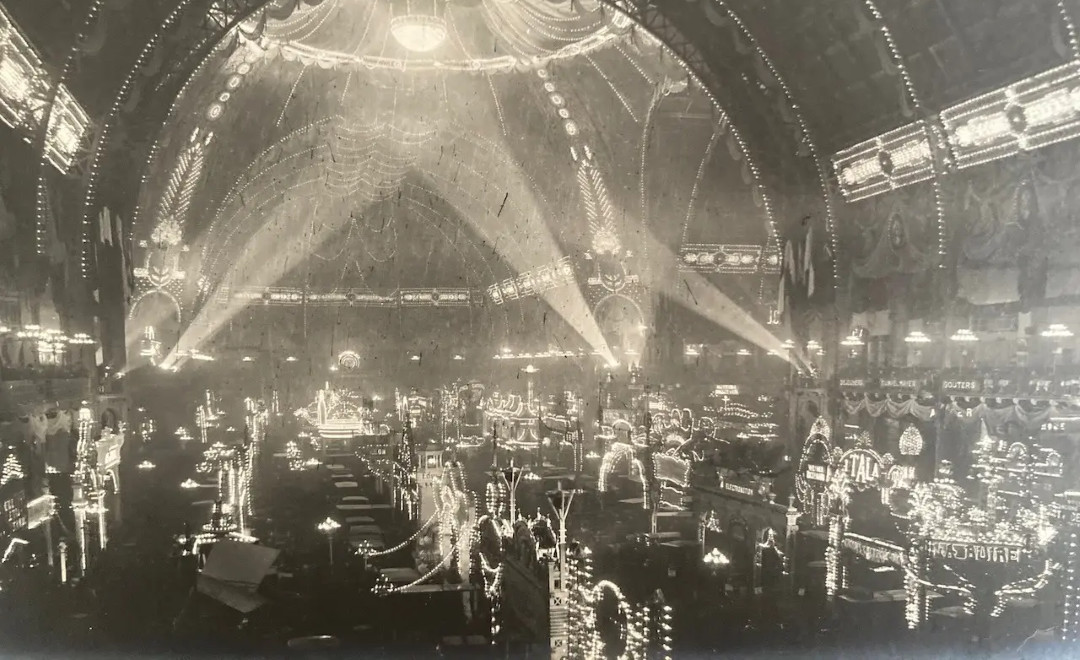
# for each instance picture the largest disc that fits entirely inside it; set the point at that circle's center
(79, 505)
(328, 527)
(511, 476)
(560, 500)
(648, 476)
(202, 421)
(364, 552)
(63, 562)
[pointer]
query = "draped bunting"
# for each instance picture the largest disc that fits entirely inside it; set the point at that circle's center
(895, 409)
(996, 417)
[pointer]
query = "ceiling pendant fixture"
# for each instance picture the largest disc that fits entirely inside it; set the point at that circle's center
(853, 340)
(917, 337)
(1057, 331)
(418, 25)
(964, 335)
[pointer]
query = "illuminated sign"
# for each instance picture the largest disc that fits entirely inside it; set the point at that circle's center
(900, 383)
(856, 383)
(726, 390)
(13, 512)
(993, 553)
(961, 385)
(533, 282)
(818, 473)
(1061, 425)
(23, 82)
(862, 468)
(726, 258)
(876, 552)
(737, 489)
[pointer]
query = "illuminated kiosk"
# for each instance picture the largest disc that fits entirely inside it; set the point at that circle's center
(339, 414)
(430, 473)
(987, 547)
(516, 418)
(465, 423)
(233, 467)
(543, 593)
(96, 463)
(540, 431)
(655, 451)
(865, 557)
(444, 541)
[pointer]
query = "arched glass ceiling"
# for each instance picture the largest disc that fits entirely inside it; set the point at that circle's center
(544, 130)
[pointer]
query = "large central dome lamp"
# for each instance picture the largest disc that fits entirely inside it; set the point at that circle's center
(419, 25)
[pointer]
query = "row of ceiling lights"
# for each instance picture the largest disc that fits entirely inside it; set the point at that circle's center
(415, 357)
(964, 335)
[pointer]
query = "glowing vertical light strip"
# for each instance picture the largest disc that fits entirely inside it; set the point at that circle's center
(808, 140)
(1069, 624)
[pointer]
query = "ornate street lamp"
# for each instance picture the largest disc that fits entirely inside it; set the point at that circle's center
(328, 527)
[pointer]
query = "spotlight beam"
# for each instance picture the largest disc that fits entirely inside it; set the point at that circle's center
(697, 294)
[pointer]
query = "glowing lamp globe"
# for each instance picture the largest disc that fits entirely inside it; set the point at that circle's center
(419, 33)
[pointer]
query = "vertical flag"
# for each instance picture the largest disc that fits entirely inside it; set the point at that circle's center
(785, 268)
(125, 275)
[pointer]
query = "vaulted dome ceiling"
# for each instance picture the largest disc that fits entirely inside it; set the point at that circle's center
(864, 120)
(319, 151)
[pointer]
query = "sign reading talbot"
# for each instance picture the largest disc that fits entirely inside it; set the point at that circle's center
(967, 551)
(862, 467)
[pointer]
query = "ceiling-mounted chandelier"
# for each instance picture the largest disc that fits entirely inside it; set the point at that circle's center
(419, 25)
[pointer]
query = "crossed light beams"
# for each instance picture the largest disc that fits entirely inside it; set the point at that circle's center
(272, 252)
(501, 207)
(697, 294)
(496, 201)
